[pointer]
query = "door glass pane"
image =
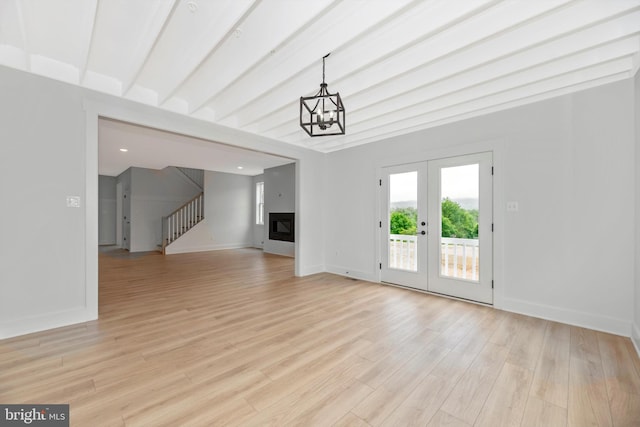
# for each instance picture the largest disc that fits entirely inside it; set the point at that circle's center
(403, 215)
(459, 249)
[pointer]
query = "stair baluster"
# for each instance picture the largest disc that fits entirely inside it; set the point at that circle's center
(182, 220)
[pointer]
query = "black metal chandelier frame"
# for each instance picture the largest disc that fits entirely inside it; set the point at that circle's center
(323, 113)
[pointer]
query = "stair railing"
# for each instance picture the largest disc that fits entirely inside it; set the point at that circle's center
(182, 220)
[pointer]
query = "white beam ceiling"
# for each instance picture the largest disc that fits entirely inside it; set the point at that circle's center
(399, 65)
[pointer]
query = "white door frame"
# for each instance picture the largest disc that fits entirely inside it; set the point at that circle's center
(498, 148)
(482, 290)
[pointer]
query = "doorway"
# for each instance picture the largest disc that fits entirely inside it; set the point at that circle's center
(436, 227)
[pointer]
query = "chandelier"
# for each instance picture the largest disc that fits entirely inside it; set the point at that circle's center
(323, 113)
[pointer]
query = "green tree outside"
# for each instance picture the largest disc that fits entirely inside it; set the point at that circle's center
(404, 221)
(456, 221)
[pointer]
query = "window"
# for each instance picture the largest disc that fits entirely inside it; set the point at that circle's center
(260, 203)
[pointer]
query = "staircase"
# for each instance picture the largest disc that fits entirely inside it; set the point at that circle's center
(182, 220)
(194, 175)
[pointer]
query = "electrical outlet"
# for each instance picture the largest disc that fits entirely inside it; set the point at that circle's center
(512, 206)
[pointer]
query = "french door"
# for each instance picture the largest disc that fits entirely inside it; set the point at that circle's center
(436, 223)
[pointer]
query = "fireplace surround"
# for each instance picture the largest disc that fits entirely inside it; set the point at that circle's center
(282, 226)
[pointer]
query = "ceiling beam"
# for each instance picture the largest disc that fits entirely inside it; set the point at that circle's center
(156, 28)
(22, 23)
(86, 51)
(192, 65)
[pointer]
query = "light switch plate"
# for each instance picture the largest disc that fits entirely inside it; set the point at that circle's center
(73, 201)
(512, 206)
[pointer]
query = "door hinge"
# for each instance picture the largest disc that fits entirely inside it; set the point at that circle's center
(381, 183)
(380, 224)
(492, 227)
(491, 170)
(492, 284)
(380, 266)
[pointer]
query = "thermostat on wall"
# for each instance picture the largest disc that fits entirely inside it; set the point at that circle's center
(73, 201)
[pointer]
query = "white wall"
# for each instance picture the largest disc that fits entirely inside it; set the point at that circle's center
(568, 253)
(636, 329)
(258, 229)
(49, 256)
(154, 194)
(279, 196)
(107, 210)
(42, 250)
(228, 216)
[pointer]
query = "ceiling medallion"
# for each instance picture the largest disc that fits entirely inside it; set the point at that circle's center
(322, 114)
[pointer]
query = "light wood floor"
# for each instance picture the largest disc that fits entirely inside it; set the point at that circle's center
(232, 338)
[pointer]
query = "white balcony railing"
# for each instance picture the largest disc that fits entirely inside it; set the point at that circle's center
(403, 253)
(458, 257)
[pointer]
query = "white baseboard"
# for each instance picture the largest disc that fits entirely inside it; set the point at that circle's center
(635, 337)
(205, 248)
(311, 269)
(23, 326)
(347, 272)
(571, 317)
(289, 254)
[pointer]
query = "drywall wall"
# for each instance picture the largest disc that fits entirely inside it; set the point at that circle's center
(227, 212)
(568, 253)
(53, 129)
(154, 194)
(42, 250)
(279, 196)
(636, 326)
(258, 229)
(106, 210)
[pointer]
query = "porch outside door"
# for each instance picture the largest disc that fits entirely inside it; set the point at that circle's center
(447, 247)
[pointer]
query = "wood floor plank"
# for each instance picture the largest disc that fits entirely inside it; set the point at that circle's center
(588, 399)
(618, 368)
(468, 396)
(507, 401)
(539, 412)
(551, 378)
(525, 349)
(421, 404)
(443, 419)
(351, 420)
(233, 338)
(393, 391)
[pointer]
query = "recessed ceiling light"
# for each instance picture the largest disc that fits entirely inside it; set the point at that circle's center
(124, 150)
(240, 167)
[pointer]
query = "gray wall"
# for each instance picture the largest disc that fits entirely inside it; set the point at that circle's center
(42, 250)
(48, 254)
(228, 222)
(279, 196)
(154, 194)
(228, 208)
(107, 210)
(569, 162)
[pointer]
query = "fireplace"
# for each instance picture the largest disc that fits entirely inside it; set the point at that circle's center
(282, 226)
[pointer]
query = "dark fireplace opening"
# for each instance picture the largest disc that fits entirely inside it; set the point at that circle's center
(282, 226)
